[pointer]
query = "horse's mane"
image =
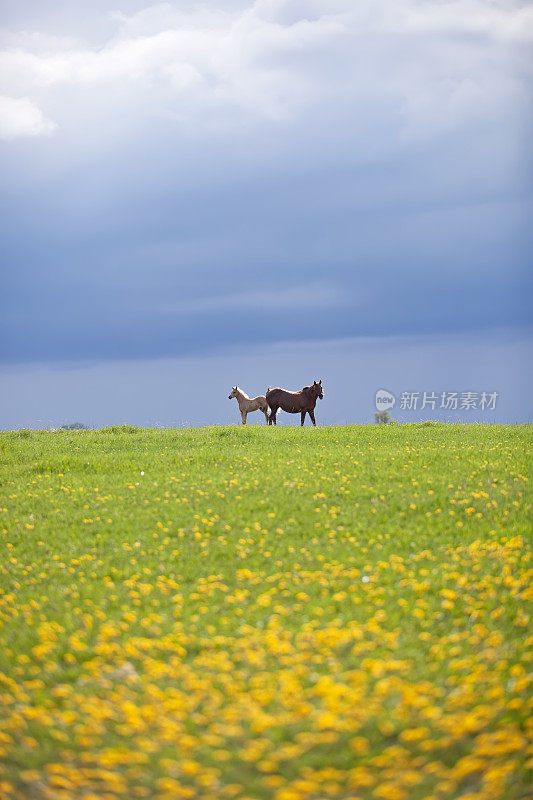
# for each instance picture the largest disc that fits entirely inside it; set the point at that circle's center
(243, 393)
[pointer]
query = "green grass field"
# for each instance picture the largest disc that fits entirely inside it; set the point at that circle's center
(266, 614)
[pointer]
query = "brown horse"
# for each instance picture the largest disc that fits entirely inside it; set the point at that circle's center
(302, 402)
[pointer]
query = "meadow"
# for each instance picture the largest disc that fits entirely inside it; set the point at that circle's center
(266, 614)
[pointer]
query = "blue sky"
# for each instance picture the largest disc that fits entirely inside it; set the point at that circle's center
(273, 191)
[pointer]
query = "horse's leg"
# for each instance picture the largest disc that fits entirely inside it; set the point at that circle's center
(312, 415)
(273, 412)
(266, 416)
(303, 413)
(243, 417)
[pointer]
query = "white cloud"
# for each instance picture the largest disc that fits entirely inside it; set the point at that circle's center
(430, 66)
(311, 296)
(21, 117)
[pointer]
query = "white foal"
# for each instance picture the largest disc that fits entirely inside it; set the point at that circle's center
(247, 404)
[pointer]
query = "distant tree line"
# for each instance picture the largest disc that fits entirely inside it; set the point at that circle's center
(383, 418)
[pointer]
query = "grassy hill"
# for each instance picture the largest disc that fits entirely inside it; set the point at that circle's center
(265, 614)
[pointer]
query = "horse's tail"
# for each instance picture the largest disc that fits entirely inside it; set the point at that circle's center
(269, 409)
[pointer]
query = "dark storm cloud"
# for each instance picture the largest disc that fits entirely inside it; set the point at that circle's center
(292, 200)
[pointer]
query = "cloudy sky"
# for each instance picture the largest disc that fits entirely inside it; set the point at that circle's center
(263, 193)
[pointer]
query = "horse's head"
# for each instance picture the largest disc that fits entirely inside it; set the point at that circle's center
(233, 393)
(317, 389)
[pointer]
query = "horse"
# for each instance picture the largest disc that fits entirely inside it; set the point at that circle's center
(303, 401)
(247, 404)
